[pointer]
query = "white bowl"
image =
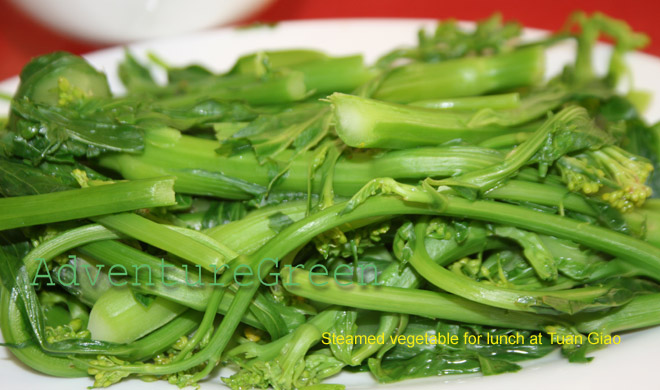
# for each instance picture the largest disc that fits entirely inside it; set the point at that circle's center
(121, 21)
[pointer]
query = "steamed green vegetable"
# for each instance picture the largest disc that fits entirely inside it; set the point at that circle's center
(442, 211)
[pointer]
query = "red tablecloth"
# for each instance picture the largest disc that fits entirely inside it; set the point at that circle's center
(22, 38)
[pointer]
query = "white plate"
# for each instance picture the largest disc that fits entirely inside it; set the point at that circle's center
(633, 362)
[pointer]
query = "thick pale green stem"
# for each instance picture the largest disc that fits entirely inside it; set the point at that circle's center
(210, 256)
(119, 318)
(469, 76)
(502, 101)
(197, 166)
(31, 210)
(369, 123)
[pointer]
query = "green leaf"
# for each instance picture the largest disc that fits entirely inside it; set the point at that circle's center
(644, 141)
(279, 221)
(18, 178)
(136, 77)
(535, 251)
(187, 74)
(237, 183)
(60, 133)
(569, 130)
(200, 113)
(220, 213)
(345, 325)
(15, 279)
(300, 127)
(449, 40)
(406, 361)
(389, 186)
(496, 366)
(424, 364)
(143, 299)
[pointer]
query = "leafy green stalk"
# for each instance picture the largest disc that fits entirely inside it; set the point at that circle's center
(27, 319)
(410, 301)
(405, 360)
(321, 73)
(87, 289)
(334, 74)
(542, 194)
(200, 170)
(205, 325)
(641, 312)
(254, 63)
(209, 254)
(634, 251)
(284, 87)
(570, 301)
(591, 28)
(85, 202)
(258, 223)
(468, 76)
(392, 276)
(500, 101)
(568, 130)
(162, 338)
(368, 123)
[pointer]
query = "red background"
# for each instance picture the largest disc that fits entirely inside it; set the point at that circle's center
(21, 38)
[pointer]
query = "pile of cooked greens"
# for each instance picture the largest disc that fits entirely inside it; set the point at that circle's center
(282, 216)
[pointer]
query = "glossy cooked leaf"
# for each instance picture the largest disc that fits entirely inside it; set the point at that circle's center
(187, 74)
(507, 268)
(269, 135)
(136, 77)
(534, 249)
(143, 299)
(644, 141)
(620, 291)
(496, 366)
(564, 138)
(406, 361)
(449, 41)
(569, 130)
(345, 326)
(572, 260)
(424, 364)
(61, 133)
(279, 221)
(15, 279)
(13, 247)
(220, 213)
(233, 182)
(18, 179)
(199, 113)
